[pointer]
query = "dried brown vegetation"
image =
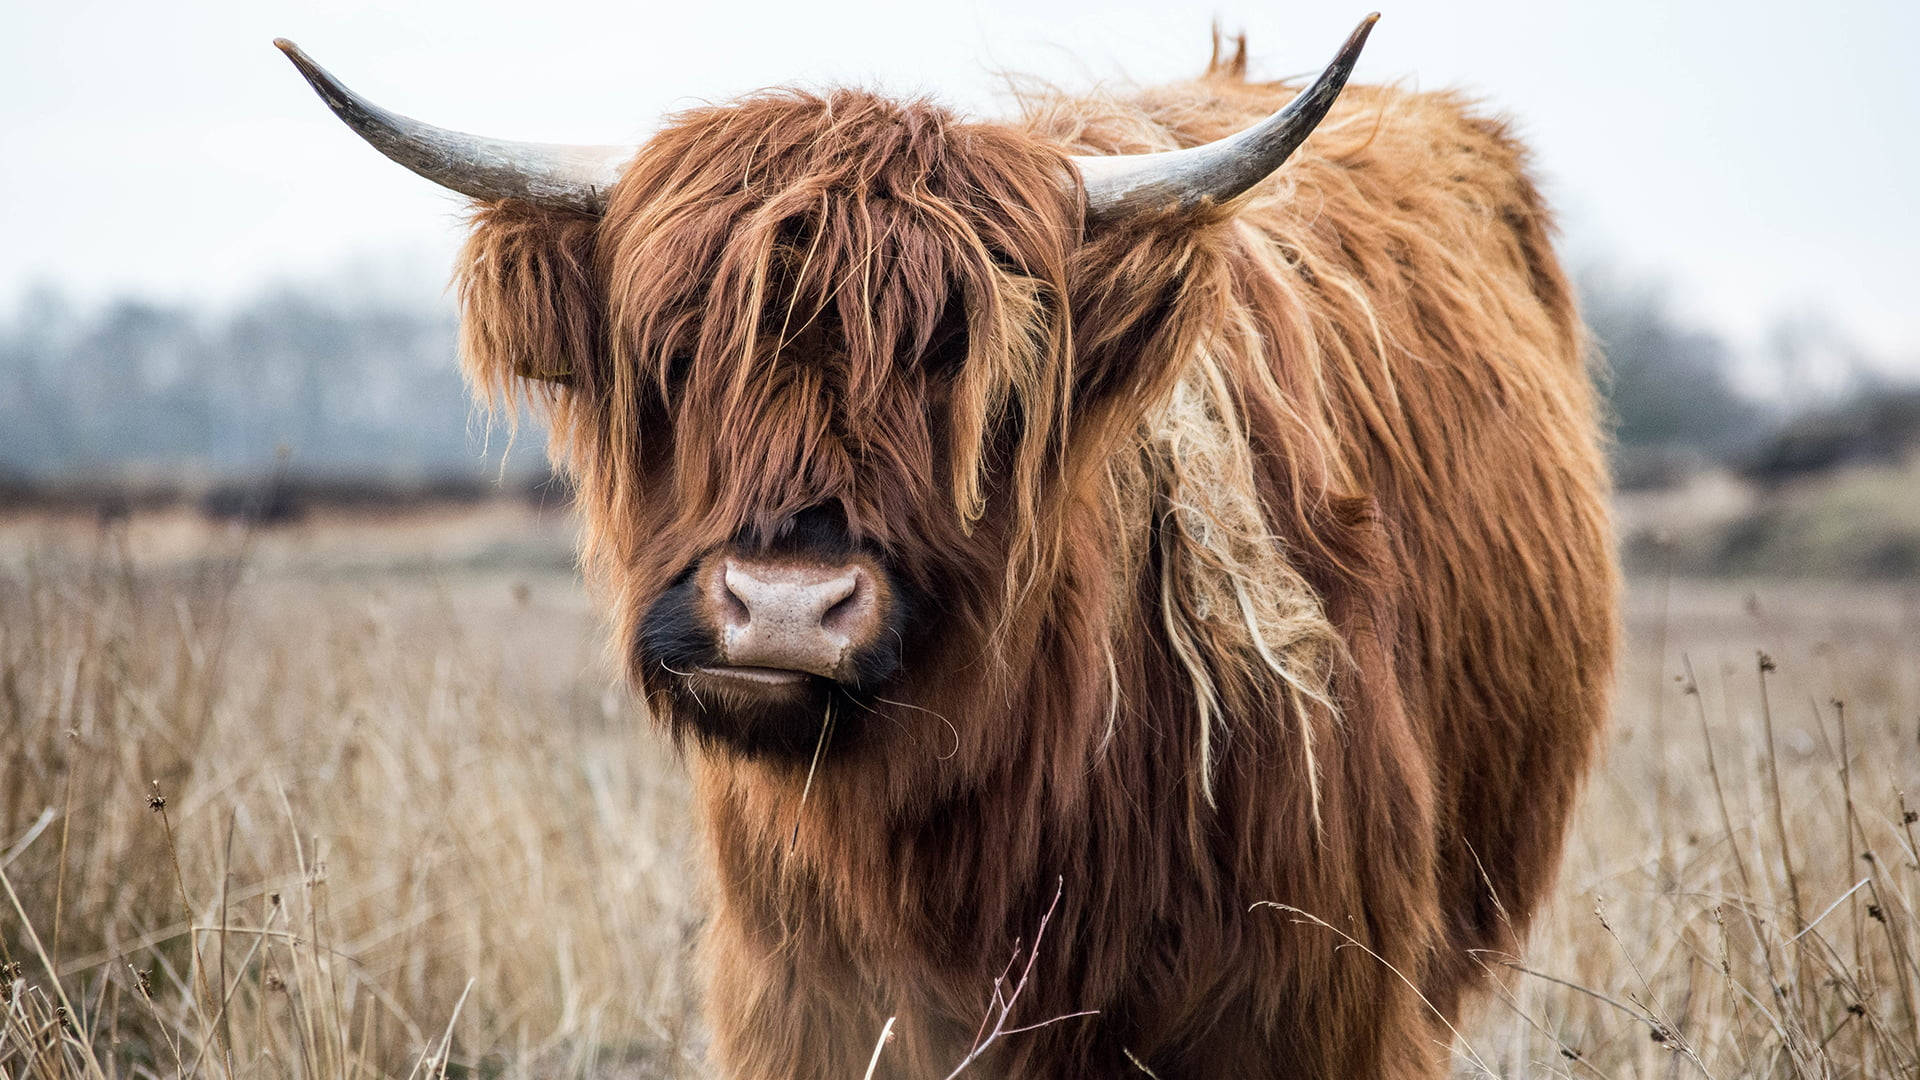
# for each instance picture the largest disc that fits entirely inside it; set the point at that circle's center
(418, 834)
(361, 809)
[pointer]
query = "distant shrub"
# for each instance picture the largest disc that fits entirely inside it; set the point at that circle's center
(1878, 425)
(1669, 384)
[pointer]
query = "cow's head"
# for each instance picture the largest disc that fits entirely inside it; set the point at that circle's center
(821, 367)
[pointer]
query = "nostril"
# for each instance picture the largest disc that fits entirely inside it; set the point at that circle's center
(734, 609)
(734, 597)
(839, 610)
(844, 614)
(838, 590)
(834, 611)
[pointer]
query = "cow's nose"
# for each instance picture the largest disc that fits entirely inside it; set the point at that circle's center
(795, 617)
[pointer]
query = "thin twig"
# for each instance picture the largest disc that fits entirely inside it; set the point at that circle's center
(1004, 1003)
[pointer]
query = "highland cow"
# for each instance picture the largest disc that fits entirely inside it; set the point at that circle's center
(1078, 523)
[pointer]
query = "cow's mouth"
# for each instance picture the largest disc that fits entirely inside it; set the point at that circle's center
(764, 712)
(762, 677)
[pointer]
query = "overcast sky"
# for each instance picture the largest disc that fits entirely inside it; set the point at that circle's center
(1763, 156)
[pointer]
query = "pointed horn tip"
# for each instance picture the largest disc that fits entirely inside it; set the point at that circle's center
(1360, 32)
(300, 59)
(320, 79)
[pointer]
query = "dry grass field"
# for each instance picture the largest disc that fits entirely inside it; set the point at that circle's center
(358, 798)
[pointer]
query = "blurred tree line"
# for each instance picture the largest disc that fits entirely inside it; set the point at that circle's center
(1678, 404)
(294, 379)
(308, 380)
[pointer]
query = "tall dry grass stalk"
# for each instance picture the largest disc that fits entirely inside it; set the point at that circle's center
(327, 830)
(1738, 895)
(358, 823)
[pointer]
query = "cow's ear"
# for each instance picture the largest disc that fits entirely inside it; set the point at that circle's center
(1143, 299)
(530, 301)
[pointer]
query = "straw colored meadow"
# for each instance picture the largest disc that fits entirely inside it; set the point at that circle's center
(360, 797)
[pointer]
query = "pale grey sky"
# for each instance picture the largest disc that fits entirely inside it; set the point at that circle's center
(1763, 156)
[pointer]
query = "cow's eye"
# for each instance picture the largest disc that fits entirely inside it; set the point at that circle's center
(679, 369)
(947, 346)
(946, 352)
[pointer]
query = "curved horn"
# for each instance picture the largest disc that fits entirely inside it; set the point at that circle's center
(550, 174)
(1124, 184)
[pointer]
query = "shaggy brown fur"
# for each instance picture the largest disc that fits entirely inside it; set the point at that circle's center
(1270, 545)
